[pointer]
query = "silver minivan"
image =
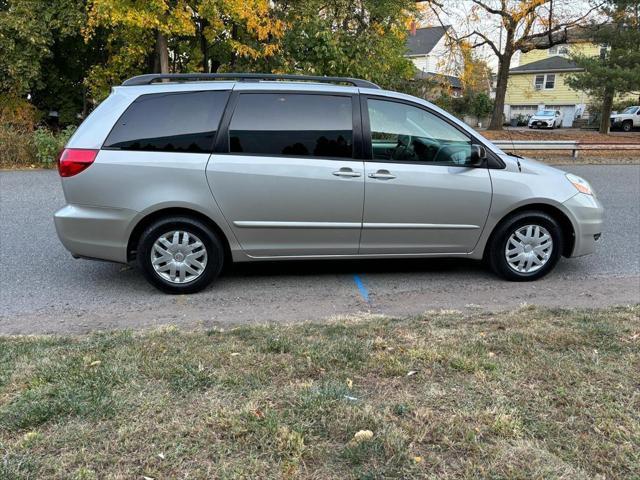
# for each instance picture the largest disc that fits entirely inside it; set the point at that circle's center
(186, 172)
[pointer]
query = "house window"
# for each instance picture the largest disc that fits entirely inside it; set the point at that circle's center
(559, 50)
(547, 81)
(550, 81)
(539, 82)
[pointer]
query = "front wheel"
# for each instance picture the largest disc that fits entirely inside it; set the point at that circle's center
(627, 126)
(180, 255)
(525, 246)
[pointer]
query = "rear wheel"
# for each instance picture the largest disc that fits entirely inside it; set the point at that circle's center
(180, 255)
(526, 246)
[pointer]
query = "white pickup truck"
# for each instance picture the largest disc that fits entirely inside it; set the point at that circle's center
(627, 119)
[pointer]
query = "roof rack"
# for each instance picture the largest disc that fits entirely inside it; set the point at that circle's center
(196, 77)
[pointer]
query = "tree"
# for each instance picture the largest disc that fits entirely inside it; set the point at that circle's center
(475, 74)
(179, 35)
(365, 38)
(137, 37)
(617, 70)
(524, 25)
(44, 55)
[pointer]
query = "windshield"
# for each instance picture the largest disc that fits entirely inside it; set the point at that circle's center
(630, 110)
(545, 113)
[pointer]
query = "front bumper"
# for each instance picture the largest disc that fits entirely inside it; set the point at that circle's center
(540, 123)
(95, 232)
(587, 218)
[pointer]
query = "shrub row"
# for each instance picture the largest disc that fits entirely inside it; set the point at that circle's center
(21, 148)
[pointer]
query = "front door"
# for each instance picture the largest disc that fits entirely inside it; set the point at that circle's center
(290, 185)
(420, 195)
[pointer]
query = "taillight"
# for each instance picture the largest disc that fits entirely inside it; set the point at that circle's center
(72, 161)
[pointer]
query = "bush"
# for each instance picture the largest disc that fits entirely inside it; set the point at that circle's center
(23, 148)
(49, 144)
(17, 113)
(17, 147)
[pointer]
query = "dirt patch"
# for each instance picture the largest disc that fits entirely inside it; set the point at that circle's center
(582, 136)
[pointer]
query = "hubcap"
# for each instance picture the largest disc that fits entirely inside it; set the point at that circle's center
(528, 248)
(179, 257)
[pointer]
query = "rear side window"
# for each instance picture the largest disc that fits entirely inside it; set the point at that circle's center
(292, 124)
(170, 122)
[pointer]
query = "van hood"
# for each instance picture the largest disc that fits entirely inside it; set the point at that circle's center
(619, 115)
(531, 166)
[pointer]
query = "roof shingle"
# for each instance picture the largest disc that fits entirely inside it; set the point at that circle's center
(425, 39)
(555, 63)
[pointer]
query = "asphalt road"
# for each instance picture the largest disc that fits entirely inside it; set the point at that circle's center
(44, 290)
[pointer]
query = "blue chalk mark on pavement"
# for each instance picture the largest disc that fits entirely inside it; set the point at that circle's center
(363, 290)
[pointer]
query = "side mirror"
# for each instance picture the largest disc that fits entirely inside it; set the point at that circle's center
(477, 156)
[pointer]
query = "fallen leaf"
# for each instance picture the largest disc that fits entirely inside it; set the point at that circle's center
(349, 383)
(95, 363)
(411, 373)
(235, 354)
(363, 436)
(161, 455)
(258, 413)
(417, 459)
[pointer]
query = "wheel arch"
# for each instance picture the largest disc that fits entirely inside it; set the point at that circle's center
(148, 219)
(568, 231)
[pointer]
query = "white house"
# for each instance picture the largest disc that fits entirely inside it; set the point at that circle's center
(434, 56)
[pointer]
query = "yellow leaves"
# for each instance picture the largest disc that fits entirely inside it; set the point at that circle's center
(522, 9)
(151, 14)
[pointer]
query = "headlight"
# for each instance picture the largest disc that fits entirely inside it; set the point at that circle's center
(580, 183)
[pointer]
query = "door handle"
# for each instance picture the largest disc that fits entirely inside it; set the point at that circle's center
(346, 172)
(382, 175)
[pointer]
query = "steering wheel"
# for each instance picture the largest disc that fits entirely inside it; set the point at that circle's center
(403, 150)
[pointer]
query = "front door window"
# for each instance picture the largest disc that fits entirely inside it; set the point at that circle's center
(403, 133)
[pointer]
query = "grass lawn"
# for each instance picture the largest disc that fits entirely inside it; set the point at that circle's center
(531, 393)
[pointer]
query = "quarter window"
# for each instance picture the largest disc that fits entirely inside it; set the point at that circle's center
(404, 133)
(170, 122)
(292, 125)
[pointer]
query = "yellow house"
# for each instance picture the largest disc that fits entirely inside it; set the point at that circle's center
(540, 82)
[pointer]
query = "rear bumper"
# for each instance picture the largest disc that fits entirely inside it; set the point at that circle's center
(588, 216)
(95, 232)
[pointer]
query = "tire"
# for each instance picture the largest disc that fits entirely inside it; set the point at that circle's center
(627, 126)
(497, 247)
(194, 239)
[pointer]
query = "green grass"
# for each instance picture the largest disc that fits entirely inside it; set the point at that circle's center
(532, 393)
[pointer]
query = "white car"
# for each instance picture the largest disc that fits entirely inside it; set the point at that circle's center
(546, 119)
(627, 119)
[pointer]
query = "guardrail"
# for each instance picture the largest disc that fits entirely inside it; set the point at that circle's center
(573, 146)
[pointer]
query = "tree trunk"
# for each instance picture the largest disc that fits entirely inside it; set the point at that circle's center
(234, 36)
(204, 48)
(501, 92)
(607, 105)
(162, 50)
